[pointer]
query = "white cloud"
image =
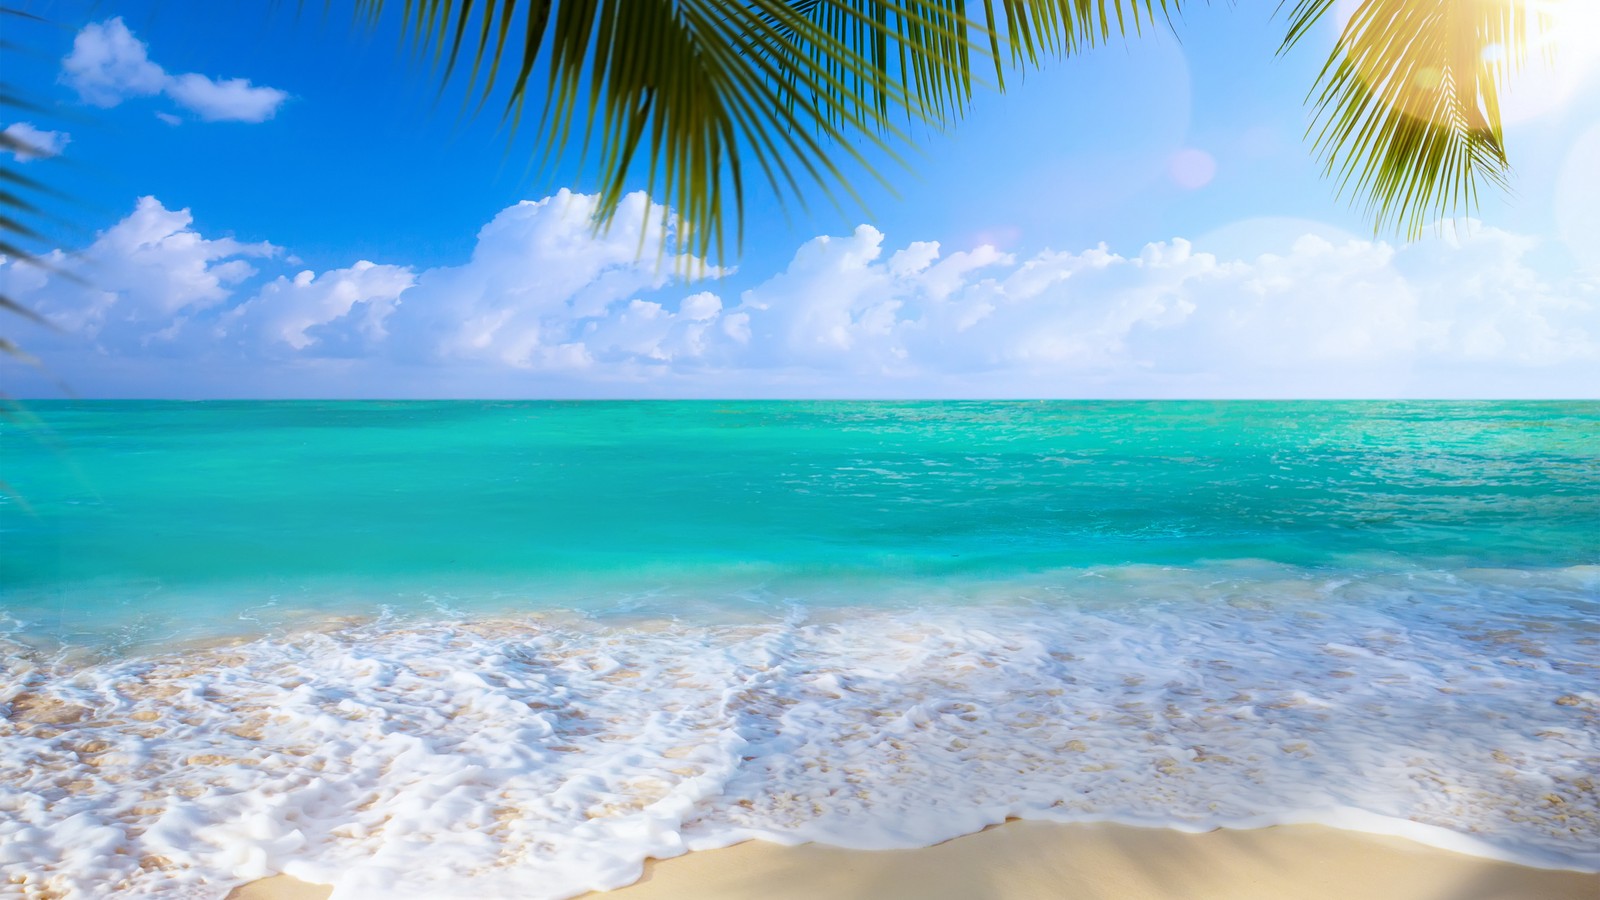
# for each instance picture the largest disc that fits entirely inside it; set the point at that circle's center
(1327, 317)
(36, 143)
(108, 65)
(700, 307)
(138, 280)
(292, 311)
(229, 100)
(542, 291)
(545, 306)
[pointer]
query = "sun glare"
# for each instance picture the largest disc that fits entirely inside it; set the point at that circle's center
(1559, 63)
(1576, 26)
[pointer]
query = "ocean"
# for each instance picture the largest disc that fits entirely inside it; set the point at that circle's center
(471, 649)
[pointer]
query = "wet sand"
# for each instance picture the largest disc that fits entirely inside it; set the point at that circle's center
(1040, 861)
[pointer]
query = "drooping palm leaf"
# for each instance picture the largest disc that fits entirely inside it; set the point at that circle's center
(15, 207)
(692, 90)
(685, 90)
(924, 48)
(1407, 109)
(18, 208)
(1035, 29)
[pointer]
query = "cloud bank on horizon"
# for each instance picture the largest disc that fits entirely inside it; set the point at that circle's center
(546, 308)
(108, 65)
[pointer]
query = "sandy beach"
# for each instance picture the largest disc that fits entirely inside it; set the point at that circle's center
(1036, 861)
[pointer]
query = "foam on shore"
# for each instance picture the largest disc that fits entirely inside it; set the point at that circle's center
(545, 757)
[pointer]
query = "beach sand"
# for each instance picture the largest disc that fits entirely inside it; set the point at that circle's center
(1035, 861)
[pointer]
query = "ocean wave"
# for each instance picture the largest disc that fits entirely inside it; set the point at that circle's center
(548, 755)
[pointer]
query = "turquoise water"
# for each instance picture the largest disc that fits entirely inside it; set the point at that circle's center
(474, 650)
(150, 515)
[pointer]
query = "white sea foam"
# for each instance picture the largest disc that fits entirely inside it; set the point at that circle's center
(542, 757)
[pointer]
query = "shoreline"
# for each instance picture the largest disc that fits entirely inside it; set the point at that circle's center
(1026, 860)
(483, 759)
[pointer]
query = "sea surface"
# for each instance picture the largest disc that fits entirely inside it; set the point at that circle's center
(488, 649)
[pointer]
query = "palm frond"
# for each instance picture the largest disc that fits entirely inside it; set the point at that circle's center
(923, 49)
(19, 211)
(1406, 111)
(693, 94)
(682, 92)
(1035, 29)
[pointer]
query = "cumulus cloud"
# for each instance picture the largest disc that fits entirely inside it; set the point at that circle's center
(543, 291)
(339, 309)
(35, 143)
(108, 65)
(543, 305)
(139, 282)
(224, 100)
(1171, 315)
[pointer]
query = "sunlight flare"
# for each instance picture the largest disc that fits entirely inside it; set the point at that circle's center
(1564, 46)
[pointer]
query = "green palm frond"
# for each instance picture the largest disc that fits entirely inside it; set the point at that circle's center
(924, 48)
(15, 207)
(1035, 29)
(685, 90)
(915, 53)
(1406, 111)
(19, 193)
(697, 92)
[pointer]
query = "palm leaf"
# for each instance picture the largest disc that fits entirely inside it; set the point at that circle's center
(1406, 111)
(924, 48)
(693, 94)
(18, 210)
(1035, 29)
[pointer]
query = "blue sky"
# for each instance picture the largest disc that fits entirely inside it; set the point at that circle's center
(282, 205)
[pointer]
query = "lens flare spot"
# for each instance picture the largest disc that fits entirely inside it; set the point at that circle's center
(1191, 168)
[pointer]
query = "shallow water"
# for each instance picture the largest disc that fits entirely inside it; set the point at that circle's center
(531, 644)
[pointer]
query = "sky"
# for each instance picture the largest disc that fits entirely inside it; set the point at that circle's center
(264, 203)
